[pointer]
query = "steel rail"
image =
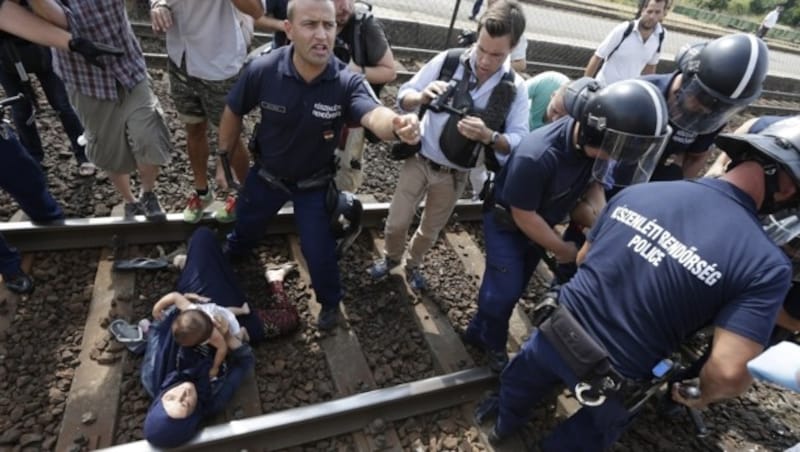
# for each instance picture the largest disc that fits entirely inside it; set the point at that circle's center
(311, 423)
(110, 231)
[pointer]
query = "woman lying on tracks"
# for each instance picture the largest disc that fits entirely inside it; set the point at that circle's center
(178, 377)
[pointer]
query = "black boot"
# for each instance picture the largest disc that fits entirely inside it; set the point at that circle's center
(20, 283)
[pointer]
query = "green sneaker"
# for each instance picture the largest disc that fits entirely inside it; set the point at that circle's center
(227, 213)
(194, 209)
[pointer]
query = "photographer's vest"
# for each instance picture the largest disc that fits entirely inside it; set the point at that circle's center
(455, 146)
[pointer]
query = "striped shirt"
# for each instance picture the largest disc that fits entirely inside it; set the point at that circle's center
(102, 21)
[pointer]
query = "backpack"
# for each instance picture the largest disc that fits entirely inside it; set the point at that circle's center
(628, 32)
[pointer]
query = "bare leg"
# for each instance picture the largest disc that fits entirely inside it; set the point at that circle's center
(243, 310)
(122, 182)
(147, 175)
(197, 148)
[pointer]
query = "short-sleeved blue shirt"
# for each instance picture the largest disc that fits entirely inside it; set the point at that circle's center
(545, 173)
(300, 122)
(660, 268)
(764, 122)
(681, 140)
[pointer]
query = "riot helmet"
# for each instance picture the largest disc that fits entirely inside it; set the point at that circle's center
(776, 147)
(627, 121)
(719, 79)
(783, 228)
(346, 215)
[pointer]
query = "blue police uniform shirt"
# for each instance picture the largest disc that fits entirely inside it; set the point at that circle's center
(545, 173)
(660, 269)
(764, 122)
(300, 122)
(681, 140)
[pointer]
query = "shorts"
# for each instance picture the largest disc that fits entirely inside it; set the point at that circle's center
(123, 133)
(197, 100)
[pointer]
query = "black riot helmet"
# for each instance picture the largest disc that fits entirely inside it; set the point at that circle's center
(776, 147)
(627, 121)
(346, 215)
(720, 78)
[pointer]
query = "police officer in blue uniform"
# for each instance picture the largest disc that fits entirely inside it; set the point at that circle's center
(714, 82)
(305, 95)
(22, 178)
(652, 272)
(544, 177)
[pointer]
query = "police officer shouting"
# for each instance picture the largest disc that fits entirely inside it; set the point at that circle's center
(541, 182)
(305, 95)
(650, 275)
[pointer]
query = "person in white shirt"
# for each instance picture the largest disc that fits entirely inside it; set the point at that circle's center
(632, 48)
(770, 20)
(206, 48)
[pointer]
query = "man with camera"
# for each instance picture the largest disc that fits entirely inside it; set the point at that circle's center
(362, 44)
(482, 111)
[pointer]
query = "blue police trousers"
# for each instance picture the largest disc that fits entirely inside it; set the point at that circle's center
(9, 259)
(511, 258)
(531, 376)
(24, 180)
(258, 203)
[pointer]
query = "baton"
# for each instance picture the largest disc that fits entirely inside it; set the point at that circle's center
(226, 167)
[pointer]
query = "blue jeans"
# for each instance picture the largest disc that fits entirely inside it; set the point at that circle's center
(259, 202)
(511, 258)
(22, 112)
(531, 376)
(23, 179)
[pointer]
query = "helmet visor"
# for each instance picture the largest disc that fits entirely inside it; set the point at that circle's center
(628, 159)
(783, 228)
(699, 109)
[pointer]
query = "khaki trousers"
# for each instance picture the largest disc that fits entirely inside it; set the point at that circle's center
(440, 189)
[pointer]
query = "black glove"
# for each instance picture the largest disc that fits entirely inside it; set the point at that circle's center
(92, 50)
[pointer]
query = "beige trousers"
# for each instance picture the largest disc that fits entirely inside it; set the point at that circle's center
(440, 189)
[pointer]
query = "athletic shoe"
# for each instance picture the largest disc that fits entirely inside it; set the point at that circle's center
(194, 208)
(152, 208)
(227, 214)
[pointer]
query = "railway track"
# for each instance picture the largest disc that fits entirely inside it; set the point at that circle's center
(394, 376)
(94, 410)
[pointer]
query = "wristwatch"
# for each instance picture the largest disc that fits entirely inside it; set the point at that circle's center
(494, 138)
